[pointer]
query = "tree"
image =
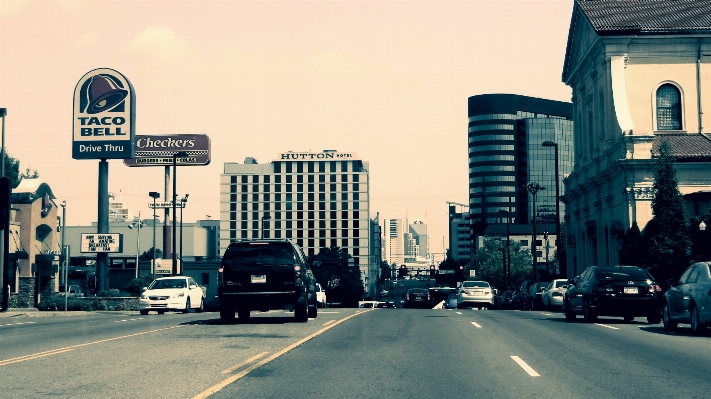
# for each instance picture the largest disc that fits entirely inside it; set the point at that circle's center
(632, 252)
(12, 171)
(148, 255)
(341, 282)
(488, 261)
(669, 244)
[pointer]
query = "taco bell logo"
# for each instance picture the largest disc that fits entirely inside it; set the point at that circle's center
(104, 116)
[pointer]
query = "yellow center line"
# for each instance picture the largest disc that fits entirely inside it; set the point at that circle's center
(217, 387)
(68, 348)
(250, 360)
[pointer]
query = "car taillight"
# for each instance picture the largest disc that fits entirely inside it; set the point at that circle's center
(297, 274)
(655, 288)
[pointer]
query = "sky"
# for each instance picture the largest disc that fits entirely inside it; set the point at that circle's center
(386, 80)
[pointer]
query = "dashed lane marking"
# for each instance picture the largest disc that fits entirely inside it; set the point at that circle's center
(525, 366)
(17, 324)
(605, 325)
(476, 325)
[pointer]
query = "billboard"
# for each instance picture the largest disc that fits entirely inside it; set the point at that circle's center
(159, 150)
(96, 242)
(104, 116)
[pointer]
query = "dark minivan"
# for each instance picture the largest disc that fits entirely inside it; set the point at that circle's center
(265, 275)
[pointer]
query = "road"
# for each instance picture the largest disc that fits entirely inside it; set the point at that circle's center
(350, 353)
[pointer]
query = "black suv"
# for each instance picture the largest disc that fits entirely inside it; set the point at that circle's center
(266, 275)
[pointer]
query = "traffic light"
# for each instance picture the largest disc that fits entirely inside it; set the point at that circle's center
(402, 271)
(432, 271)
(459, 273)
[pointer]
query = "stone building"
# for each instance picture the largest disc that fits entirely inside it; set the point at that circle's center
(640, 72)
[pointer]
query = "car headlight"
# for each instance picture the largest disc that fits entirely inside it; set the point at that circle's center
(178, 295)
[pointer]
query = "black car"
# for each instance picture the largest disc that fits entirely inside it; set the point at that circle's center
(687, 300)
(266, 275)
(417, 298)
(521, 293)
(624, 291)
(532, 299)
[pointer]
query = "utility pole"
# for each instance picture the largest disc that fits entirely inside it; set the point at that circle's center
(534, 188)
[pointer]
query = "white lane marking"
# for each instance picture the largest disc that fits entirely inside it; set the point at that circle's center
(476, 325)
(548, 314)
(248, 361)
(459, 312)
(17, 324)
(525, 366)
(604, 325)
(119, 321)
(321, 311)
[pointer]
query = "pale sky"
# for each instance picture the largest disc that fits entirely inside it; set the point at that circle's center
(387, 80)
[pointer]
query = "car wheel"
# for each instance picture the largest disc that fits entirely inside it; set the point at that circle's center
(187, 306)
(161, 311)
(227, 314)
(313, 312)
(144, 312)
(588, 314)
(696, 327)
(669, 324)
(569, 314)
(243, 314)
(202, 306)
(300, 313)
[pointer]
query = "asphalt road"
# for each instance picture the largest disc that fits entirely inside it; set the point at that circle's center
(350, 353)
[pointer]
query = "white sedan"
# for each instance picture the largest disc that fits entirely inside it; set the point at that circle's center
(179, 293)
(554, 293)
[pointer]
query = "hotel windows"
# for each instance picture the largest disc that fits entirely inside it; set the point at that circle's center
(668, 108)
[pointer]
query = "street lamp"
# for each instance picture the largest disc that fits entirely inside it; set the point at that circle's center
(557, 195)
(138, 224)
(175, 199)
(265, 217)
(155, 195)
(534, 188)
(183, 202)
(63, 254)
(507, 270)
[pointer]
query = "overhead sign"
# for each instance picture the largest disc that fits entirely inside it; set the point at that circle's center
(159, 150)
(95, 243)
(315, 156)
(179, 204)
(104, 116)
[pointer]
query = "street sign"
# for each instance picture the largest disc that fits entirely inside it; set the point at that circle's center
(166, 204)
(440, 271)
(165, 266)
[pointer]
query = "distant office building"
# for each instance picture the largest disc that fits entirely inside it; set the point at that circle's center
(319, 200)
(418, 231)
(459, 236)
(394, 237)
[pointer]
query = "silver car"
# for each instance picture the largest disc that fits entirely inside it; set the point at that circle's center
(554, 293)
(476, 294)
(687, 300)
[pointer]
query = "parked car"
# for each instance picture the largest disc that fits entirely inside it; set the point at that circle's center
(266, 274)
(507, 299)
(476, 294)
(417, 298)
(320, 296)
(623, 291)
(179, 293)
(521, 293)
(687, 300)
(367, 304)
(532, 300)
(451, 301)
(553, 295)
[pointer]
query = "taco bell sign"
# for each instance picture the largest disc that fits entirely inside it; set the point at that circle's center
(104, 116)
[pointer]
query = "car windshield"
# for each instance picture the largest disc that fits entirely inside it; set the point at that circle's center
(560, 283)
(250, 254)
(166, 284)
(623, 274)
(470, 284)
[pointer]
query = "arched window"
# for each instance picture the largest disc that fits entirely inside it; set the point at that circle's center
(668, 108)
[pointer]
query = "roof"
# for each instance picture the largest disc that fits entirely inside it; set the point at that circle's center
(683, 145)
(33, 189)
(614, 17)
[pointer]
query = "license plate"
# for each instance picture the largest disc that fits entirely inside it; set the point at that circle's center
(478, 292)
(631, 290)
(418, 298)
(259, 278)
